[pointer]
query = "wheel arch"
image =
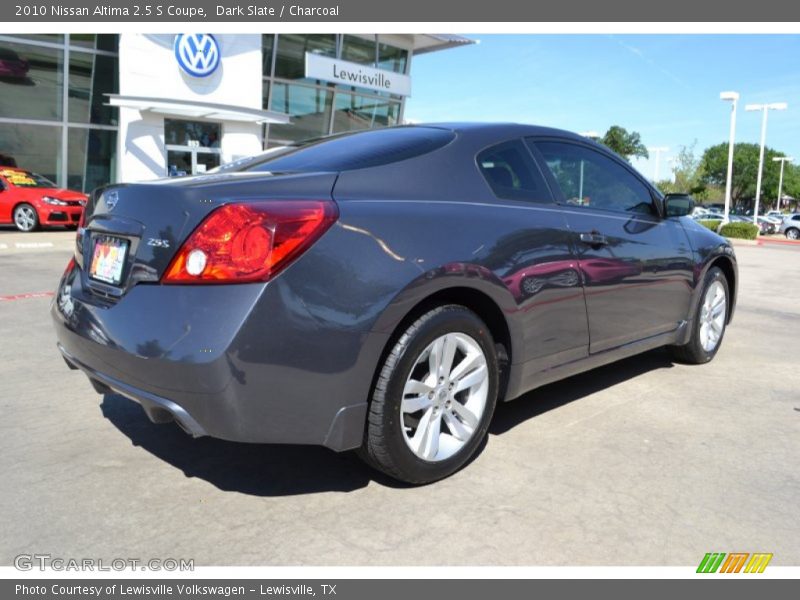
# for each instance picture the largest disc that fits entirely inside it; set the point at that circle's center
(478, 301)
(19, 203)
(726, 265)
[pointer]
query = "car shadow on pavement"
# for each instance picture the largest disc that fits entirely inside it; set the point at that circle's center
(554, 395)
(254, 469)
(284, 470)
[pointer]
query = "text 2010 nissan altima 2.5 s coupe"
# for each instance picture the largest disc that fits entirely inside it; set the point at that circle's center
(383, 290)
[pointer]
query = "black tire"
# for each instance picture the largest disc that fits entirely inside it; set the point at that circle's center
(384, 446)
(793, 233)
(693, 351)
(31, 220)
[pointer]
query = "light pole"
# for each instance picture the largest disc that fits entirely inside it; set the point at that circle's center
(733, 98)
(783, 160)
(592, 135)
(658, 150)
(764, 108)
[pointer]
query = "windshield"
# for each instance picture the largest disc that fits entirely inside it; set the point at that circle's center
(26, 179)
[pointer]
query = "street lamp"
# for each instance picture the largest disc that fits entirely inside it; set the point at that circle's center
(764, 108)
(783, 160)
(592, 135)
(658, 150)
(731, 97)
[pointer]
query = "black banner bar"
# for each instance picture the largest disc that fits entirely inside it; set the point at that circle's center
(335, 11)
(373, 589)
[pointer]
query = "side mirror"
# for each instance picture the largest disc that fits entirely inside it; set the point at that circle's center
(678, 205)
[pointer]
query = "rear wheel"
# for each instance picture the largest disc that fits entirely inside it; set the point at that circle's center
(434, 397)
(711, 317)
(793, 234)
(25, 218)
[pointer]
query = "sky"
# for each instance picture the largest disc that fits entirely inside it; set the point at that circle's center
(666, 87)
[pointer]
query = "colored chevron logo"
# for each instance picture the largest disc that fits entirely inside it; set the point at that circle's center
(736, 562)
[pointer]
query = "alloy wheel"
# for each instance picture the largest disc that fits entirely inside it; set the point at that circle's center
(444, 397)
(712, 316)
(25, 218)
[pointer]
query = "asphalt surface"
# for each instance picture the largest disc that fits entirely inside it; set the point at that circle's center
(643, 462)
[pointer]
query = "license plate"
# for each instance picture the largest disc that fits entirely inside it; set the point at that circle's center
(108, 259)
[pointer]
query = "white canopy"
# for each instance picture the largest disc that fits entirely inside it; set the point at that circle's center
(203, 110)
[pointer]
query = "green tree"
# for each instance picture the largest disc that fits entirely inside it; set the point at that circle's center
(745, 172)
(625, 143)
(791, 181)
(688, 172)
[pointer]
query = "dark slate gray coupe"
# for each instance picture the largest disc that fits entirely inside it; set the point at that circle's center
(383, 290)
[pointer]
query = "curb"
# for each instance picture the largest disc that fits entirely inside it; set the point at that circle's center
(784, 242)
(762, 241)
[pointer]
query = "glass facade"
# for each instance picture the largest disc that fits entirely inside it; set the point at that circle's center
(53, 118)
(318, 107)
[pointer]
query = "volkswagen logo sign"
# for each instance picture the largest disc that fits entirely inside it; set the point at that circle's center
(111, 199)
(197, 53)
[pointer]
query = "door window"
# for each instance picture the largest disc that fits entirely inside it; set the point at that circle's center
(511, 173)
(587, 178)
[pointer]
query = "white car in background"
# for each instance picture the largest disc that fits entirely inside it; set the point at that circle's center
(790, 227)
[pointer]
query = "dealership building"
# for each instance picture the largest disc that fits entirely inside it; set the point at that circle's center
(85, 110)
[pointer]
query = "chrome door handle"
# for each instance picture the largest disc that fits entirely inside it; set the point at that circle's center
(594, 239)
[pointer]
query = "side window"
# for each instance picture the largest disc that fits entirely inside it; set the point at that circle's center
(512, 174)
(588, 178)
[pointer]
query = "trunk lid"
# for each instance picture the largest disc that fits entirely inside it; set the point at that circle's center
(151, 220)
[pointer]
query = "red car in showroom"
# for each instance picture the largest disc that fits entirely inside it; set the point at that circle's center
(29, 200)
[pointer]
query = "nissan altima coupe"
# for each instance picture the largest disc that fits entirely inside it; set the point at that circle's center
(384, 290)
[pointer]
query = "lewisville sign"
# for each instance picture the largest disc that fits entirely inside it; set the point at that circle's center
(349, 73)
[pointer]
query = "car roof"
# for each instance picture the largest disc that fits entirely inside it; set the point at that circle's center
(502, 129)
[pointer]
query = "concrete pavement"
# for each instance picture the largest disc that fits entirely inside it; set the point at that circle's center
(643, 462)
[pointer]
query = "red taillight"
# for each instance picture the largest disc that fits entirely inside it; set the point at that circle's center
(239, 243)
(70, 266)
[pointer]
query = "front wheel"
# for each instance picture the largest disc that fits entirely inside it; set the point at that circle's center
(434, 397)
(709, 323)
(793, 234)
(25, 218)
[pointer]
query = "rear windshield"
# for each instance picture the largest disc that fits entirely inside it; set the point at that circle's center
(356, 151)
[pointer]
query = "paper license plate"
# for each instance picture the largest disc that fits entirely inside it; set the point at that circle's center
(108, 259)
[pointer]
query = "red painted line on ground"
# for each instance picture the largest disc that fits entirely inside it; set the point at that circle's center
(28, 295)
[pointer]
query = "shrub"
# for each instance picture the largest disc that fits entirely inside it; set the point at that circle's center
(743, 231)
(710, 224)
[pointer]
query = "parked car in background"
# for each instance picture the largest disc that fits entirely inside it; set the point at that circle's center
(706, 216)
(767, 225)
(790, 227)
(29, 201)
(383, 290)
(12, 65)
(764, 225)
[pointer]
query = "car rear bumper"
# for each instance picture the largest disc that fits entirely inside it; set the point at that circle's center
(158, 409)
(233, 362)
